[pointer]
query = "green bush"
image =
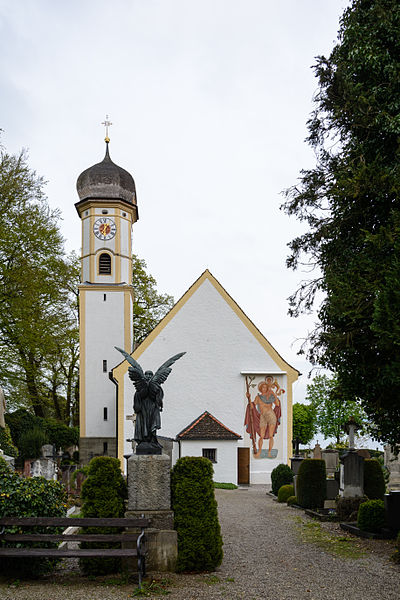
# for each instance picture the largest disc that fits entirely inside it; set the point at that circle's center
(20, 421)
(60, 434)
(347, 508)
(311, 483)
(374, 481)
(196, 515)
(291, 500)
(34, 497)
(371, 516)
(285, 491)
(6, 443)
(103, 495)
(31, 442)
(281, 475)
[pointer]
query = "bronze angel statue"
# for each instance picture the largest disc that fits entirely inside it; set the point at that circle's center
(148, 402)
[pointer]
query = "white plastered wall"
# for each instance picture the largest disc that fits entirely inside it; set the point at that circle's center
(219, 347)
(104, 329)
(225, 467)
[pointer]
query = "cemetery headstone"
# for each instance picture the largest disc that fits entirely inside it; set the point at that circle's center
(352, 467)
(331, 458)
(317, 451)
(392, 462)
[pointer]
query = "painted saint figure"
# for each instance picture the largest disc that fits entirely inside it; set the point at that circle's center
(263, 415)
(148, 402)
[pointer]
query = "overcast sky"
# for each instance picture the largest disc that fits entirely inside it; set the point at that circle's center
(209, 101)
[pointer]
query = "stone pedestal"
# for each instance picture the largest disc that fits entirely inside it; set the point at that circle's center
(352, 475)
(149, 495)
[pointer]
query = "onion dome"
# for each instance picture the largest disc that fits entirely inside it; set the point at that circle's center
(106, 181)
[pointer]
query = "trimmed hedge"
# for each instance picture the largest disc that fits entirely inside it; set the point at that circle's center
(103, 495)
(374, 481)
(196, 515)
(281, 475)
(291, 500)
(285, 491)
(371, 516)
(33, 497)
(311, 483)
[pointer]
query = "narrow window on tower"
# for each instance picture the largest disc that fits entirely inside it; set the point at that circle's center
(104, 264)
(105, 297)
(104, 366)
(105, 413)
(105, 448)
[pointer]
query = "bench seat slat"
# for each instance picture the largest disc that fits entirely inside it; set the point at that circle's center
(84, 537)
(66, 553)
(72, 522)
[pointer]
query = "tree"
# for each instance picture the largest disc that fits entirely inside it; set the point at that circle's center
(350, 202)
(304, 426)
(331, 408)
(38, 321)
(149, 306)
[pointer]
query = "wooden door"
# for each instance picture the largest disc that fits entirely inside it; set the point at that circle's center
(243, 466)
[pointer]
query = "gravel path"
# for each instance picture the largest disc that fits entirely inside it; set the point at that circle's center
(266, 556)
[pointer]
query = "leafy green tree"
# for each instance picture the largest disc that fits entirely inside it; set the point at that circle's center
(38, 322)
(149, 306)
(304, 425)
(350, 202)
(332, 408)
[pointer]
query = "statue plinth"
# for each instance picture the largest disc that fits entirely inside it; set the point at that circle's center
(149, 494)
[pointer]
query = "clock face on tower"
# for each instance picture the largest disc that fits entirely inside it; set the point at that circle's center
(104, 228)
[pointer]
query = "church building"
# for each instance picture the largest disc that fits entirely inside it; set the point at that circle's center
(229, 398)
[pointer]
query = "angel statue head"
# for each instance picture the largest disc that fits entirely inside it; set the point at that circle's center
(148, 402)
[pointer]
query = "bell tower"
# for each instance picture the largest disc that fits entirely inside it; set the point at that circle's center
(108, 209)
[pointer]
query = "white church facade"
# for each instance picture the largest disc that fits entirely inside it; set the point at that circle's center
(205, 405)
(229, 398)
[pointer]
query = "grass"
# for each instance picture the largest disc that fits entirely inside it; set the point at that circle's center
(225, 486)
(152, 588)
(311, 532)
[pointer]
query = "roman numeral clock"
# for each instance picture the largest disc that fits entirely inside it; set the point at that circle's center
(108, 209)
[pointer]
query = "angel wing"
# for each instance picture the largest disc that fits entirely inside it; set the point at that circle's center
(162, 372)
(135, 371)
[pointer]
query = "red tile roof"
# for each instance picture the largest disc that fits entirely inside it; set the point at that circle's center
(207, 427)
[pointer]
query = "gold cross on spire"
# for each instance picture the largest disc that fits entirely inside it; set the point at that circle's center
(107, 124)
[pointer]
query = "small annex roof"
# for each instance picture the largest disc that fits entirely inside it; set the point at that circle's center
(207, 427)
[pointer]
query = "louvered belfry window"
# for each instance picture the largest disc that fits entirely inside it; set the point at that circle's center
(105, 264)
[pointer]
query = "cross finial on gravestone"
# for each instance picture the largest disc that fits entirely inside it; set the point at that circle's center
(107, 124)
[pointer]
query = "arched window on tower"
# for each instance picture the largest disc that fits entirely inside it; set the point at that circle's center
(104, 264)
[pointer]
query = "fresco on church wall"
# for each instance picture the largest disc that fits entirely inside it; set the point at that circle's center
(263, 414)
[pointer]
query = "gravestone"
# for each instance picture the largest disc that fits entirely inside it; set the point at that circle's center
(393, 465)
(317, 452)
(44, 467)
(331, 458)
(352, 467)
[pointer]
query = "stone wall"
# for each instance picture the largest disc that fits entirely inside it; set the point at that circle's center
(94, 446)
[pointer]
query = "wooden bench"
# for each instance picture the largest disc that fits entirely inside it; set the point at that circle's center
(138, 539)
